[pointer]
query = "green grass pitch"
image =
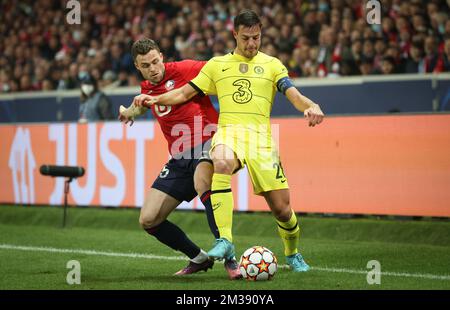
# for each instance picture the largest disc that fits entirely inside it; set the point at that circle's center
(114, 253)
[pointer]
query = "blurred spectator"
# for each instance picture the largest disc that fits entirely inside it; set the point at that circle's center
(25, 83)
(393, 53)
(311, 26)
(380, 50)
(72, 80)
(388, 65)
(433, 61)
(416, 63)
(120, 60)
(109, 80)
(47, 85)
(202, 51)
(328, 54)
(94, 104)
(122, 79)
(14, 86)
(366, 66)
(446, 57)
(5, 77)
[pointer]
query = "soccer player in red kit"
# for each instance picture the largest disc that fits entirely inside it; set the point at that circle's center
(188, 129)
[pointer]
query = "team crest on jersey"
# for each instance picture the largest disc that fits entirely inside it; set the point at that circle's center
(170, 84)
(243, 68)
(259, 70)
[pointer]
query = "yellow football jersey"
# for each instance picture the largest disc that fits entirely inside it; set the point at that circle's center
(245, 87)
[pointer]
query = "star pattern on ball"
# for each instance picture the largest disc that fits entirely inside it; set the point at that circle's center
(263, 266)
(259, 249)
(245, 262)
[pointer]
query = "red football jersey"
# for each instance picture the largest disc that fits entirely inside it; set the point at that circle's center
(182, 125)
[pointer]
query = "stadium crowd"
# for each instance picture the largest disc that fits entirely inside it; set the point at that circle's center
(39, 50)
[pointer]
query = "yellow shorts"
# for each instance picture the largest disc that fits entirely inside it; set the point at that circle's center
(258, 152)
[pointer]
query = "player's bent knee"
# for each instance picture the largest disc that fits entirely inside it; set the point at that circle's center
(282, 212)
(145, 223)
(148, 221)
(223, 166)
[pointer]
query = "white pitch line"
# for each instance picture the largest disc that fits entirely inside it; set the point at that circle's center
(149, 256)
(387, 273)
(87, 252)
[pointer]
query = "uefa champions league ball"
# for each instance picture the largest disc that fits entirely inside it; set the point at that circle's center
(258, 263)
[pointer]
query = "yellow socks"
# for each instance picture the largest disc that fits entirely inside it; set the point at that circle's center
(222, 204)
(290, 233)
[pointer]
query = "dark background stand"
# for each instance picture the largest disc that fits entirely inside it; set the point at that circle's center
(69, 172)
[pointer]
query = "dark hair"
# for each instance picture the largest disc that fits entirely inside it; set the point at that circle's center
(389, 59)
(418, 45)
(366, 60)
(247, 18)
(143, 46)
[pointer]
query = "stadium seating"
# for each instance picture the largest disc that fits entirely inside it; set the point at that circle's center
(39, 50)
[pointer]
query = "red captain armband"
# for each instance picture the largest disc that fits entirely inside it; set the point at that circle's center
(283, 84)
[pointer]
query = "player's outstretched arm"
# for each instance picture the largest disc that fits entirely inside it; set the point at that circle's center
(173, 97)
(127, 115)
(311, 110)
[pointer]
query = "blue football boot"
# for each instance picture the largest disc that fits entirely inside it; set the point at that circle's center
(222, 249)
(297, 263)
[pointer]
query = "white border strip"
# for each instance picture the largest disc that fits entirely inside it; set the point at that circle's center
(129, 90)
(356, 80)
(298, 82)
(149, 256)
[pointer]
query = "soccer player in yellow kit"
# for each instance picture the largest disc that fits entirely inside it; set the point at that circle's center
(245, 82)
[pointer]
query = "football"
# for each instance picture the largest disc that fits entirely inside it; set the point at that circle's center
(258, 263)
